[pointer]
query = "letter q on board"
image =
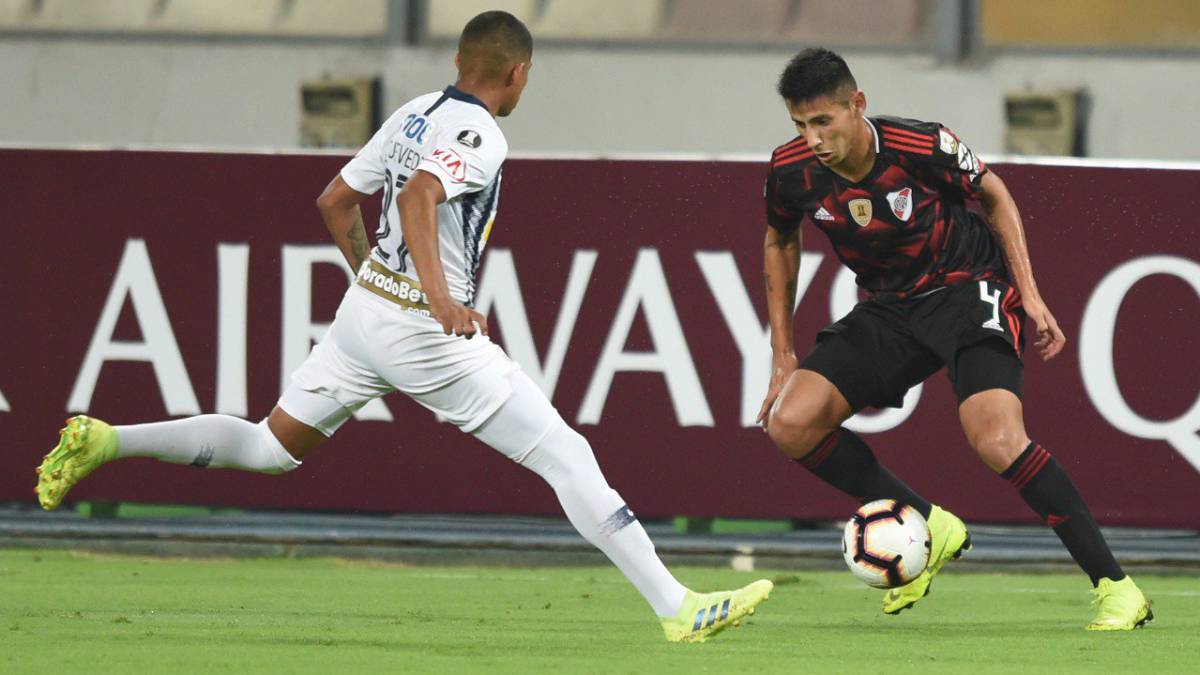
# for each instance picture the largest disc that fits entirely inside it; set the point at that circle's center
(1096, 354)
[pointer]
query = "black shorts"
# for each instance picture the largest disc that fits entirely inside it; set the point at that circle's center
(878, 351)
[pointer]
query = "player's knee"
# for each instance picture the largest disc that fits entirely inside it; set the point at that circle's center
(575, 453)
(564, 456)
(794, 430)
(277, 459)
(998, 446)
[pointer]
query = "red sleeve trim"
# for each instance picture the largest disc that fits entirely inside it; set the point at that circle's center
(793, 159)
(791, 153)
(797, 144)
(905, 133)
(896, 145)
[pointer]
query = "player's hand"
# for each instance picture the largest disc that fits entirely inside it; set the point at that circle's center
(784, 366)
(458, 319)
(1050, 338)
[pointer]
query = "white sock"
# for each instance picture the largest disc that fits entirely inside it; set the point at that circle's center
(565, 460)
(216, 441)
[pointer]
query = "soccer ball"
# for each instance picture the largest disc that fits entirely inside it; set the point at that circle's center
(886, 543)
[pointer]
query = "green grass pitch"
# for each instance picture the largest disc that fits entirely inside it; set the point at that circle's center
(64, 612)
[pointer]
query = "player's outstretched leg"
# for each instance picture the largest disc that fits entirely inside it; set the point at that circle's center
(1046, 487)
(994, 422)
(529, 431)
(216, 441)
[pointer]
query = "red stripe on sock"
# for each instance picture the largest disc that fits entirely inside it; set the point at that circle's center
(1023, 472)
(818, 456)
(1054, 521)
(1031, 469)
(1028, 462)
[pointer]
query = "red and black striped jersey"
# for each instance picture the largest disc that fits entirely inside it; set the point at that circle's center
(904, 229)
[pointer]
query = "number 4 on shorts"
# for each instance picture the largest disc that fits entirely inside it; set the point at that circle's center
(992, 299)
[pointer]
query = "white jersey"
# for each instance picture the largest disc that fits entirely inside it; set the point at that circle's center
(454, 137)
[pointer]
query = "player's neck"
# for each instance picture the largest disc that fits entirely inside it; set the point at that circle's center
(861, 158)
(490, 95)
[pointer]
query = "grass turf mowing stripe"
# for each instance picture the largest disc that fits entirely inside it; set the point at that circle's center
(103, 613)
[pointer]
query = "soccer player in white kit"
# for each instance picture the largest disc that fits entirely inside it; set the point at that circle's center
(407, 324)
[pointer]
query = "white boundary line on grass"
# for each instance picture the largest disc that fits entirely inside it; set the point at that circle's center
(1181, 594)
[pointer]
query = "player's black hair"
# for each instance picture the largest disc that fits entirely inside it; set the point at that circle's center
(812, 73)
(494, 41)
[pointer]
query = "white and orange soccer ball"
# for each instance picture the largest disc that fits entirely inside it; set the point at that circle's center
(886, 543)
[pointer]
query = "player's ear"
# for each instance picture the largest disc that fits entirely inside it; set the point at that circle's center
(458, 60)
(858, 102)
(518, 73)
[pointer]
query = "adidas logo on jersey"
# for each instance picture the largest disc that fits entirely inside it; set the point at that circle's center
(822, 214)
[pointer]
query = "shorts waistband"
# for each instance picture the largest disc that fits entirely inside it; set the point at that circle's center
(394, 287)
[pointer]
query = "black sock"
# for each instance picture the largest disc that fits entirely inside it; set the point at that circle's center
(844, 460)
(1045, 486)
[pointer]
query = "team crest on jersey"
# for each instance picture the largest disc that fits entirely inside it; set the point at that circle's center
(948, 142)
(901, 203)
(860, 210)
(470, 138)
(452, 162)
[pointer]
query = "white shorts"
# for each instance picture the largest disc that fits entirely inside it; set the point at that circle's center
(375, 347)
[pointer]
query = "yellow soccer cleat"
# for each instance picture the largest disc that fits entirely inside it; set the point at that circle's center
(950, 540)
(84, 444)
(1122, 605)
(706, 614)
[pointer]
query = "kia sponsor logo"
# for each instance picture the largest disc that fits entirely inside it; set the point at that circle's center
(452, 162)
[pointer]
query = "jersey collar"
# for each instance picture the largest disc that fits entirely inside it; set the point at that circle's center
(874, 132)
(460, 95)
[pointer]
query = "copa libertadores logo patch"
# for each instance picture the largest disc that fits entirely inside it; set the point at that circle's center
(470, 138)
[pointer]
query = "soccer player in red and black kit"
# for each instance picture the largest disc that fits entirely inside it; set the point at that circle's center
(946, 288)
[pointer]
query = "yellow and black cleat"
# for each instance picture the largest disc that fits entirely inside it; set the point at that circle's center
(1121, 605)
(83, 445)
(950, 540)
(706, 614)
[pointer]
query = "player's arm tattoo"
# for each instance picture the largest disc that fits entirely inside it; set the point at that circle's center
(360, 247)
(781, 267)
(790, 288)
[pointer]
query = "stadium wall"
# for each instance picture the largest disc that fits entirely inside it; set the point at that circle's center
(230, 93)
(143, 285)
